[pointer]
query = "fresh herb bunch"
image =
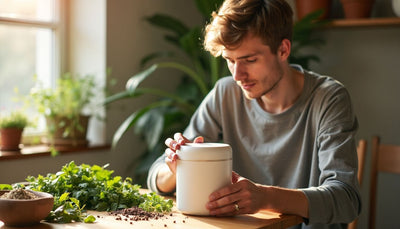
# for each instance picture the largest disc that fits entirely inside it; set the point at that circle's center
(94, 188)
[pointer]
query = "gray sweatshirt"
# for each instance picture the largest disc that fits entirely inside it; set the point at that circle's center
(310, 146)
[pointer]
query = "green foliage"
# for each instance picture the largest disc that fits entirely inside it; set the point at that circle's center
(68, 98)
(5, 187)
(84, 187)
(172, 111)
(15, 119)
(155, 203)
(303, 37)
(64, 104)
(66, 209)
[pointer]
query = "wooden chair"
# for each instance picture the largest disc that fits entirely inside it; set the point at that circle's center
(385, 158)
(361, 151)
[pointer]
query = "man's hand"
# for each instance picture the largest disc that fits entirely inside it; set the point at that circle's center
(241, 197)
(245, 197)
(173, 145)
(166, 177)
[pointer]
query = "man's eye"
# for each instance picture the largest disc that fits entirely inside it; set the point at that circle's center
(251, 60)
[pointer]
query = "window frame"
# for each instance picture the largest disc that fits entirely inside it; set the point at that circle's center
(58, 47)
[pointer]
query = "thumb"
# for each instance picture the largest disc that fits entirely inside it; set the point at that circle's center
(199, 139)
(235, 177)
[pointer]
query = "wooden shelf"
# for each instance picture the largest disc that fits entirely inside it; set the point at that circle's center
(365, 22)
(44, 150)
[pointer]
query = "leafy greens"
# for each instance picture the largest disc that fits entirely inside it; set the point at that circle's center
(84, 187)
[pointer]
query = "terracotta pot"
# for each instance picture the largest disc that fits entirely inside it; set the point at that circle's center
(357, 8)
(77, 133)
(304, 7)
(10, 139)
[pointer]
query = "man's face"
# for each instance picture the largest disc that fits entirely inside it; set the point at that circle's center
(254, 67)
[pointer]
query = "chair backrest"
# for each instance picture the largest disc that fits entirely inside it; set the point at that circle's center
(385, 158)
(361, 151)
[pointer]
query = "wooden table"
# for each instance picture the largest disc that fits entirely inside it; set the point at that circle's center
(262, 219)
(176, 219)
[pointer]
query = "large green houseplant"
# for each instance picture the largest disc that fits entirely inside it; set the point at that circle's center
(63, 107)
(172, 111)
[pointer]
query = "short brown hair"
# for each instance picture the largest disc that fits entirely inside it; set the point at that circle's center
(271, 20)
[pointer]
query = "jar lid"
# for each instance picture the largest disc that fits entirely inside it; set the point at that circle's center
(205, 151)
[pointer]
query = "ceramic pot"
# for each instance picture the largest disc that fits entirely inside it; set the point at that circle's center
(202, 168)
(304, 7)
(10, 139)
(58, 126)
(357, 8)
(17, 213)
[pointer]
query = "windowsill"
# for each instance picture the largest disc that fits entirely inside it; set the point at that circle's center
(44, 150)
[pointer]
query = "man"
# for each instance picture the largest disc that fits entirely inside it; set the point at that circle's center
(291, 130)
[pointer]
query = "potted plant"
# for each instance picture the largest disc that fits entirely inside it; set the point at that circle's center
(304, 7)
(357, 8)
(11, 128)
(65, 108)
(304, 37)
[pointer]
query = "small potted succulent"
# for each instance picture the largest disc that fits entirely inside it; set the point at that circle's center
(11, 128)
(66, 108)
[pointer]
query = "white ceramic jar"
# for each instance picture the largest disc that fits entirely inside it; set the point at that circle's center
(202, 168)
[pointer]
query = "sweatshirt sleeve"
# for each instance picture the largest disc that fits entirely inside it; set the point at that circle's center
(152, 176)
(336, 199)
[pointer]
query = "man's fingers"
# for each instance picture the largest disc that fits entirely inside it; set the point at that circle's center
(172, 144)
(171, 154)
(235, 177)
(180, 139)
(199, 139)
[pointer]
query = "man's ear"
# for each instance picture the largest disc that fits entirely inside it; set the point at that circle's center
(284, 49)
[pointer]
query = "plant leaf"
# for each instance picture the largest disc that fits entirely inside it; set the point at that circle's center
(151, 124)
(206, 7)
(126, 125)
(133, 118)
(155, 55)
(191, 42)
(169, 23)
(135, 80)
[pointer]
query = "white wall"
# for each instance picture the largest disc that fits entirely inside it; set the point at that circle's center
(365, 61)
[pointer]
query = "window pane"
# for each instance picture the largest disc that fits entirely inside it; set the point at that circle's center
(41, 10)
(24, 52)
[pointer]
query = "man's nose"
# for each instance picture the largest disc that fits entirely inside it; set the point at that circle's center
(239, 71)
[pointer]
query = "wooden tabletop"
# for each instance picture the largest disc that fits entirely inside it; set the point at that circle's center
(104, 220)
(175, 219)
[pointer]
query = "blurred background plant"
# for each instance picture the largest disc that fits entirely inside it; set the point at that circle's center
(172, 111)
(12, 126)
(304, 38)
(14, 119)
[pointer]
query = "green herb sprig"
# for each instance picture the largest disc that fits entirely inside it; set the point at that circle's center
(94, 188)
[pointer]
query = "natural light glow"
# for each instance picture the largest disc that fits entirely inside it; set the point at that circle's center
(41, 10)
(26, 50)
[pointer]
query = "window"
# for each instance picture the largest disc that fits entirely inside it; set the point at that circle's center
(30, 46)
